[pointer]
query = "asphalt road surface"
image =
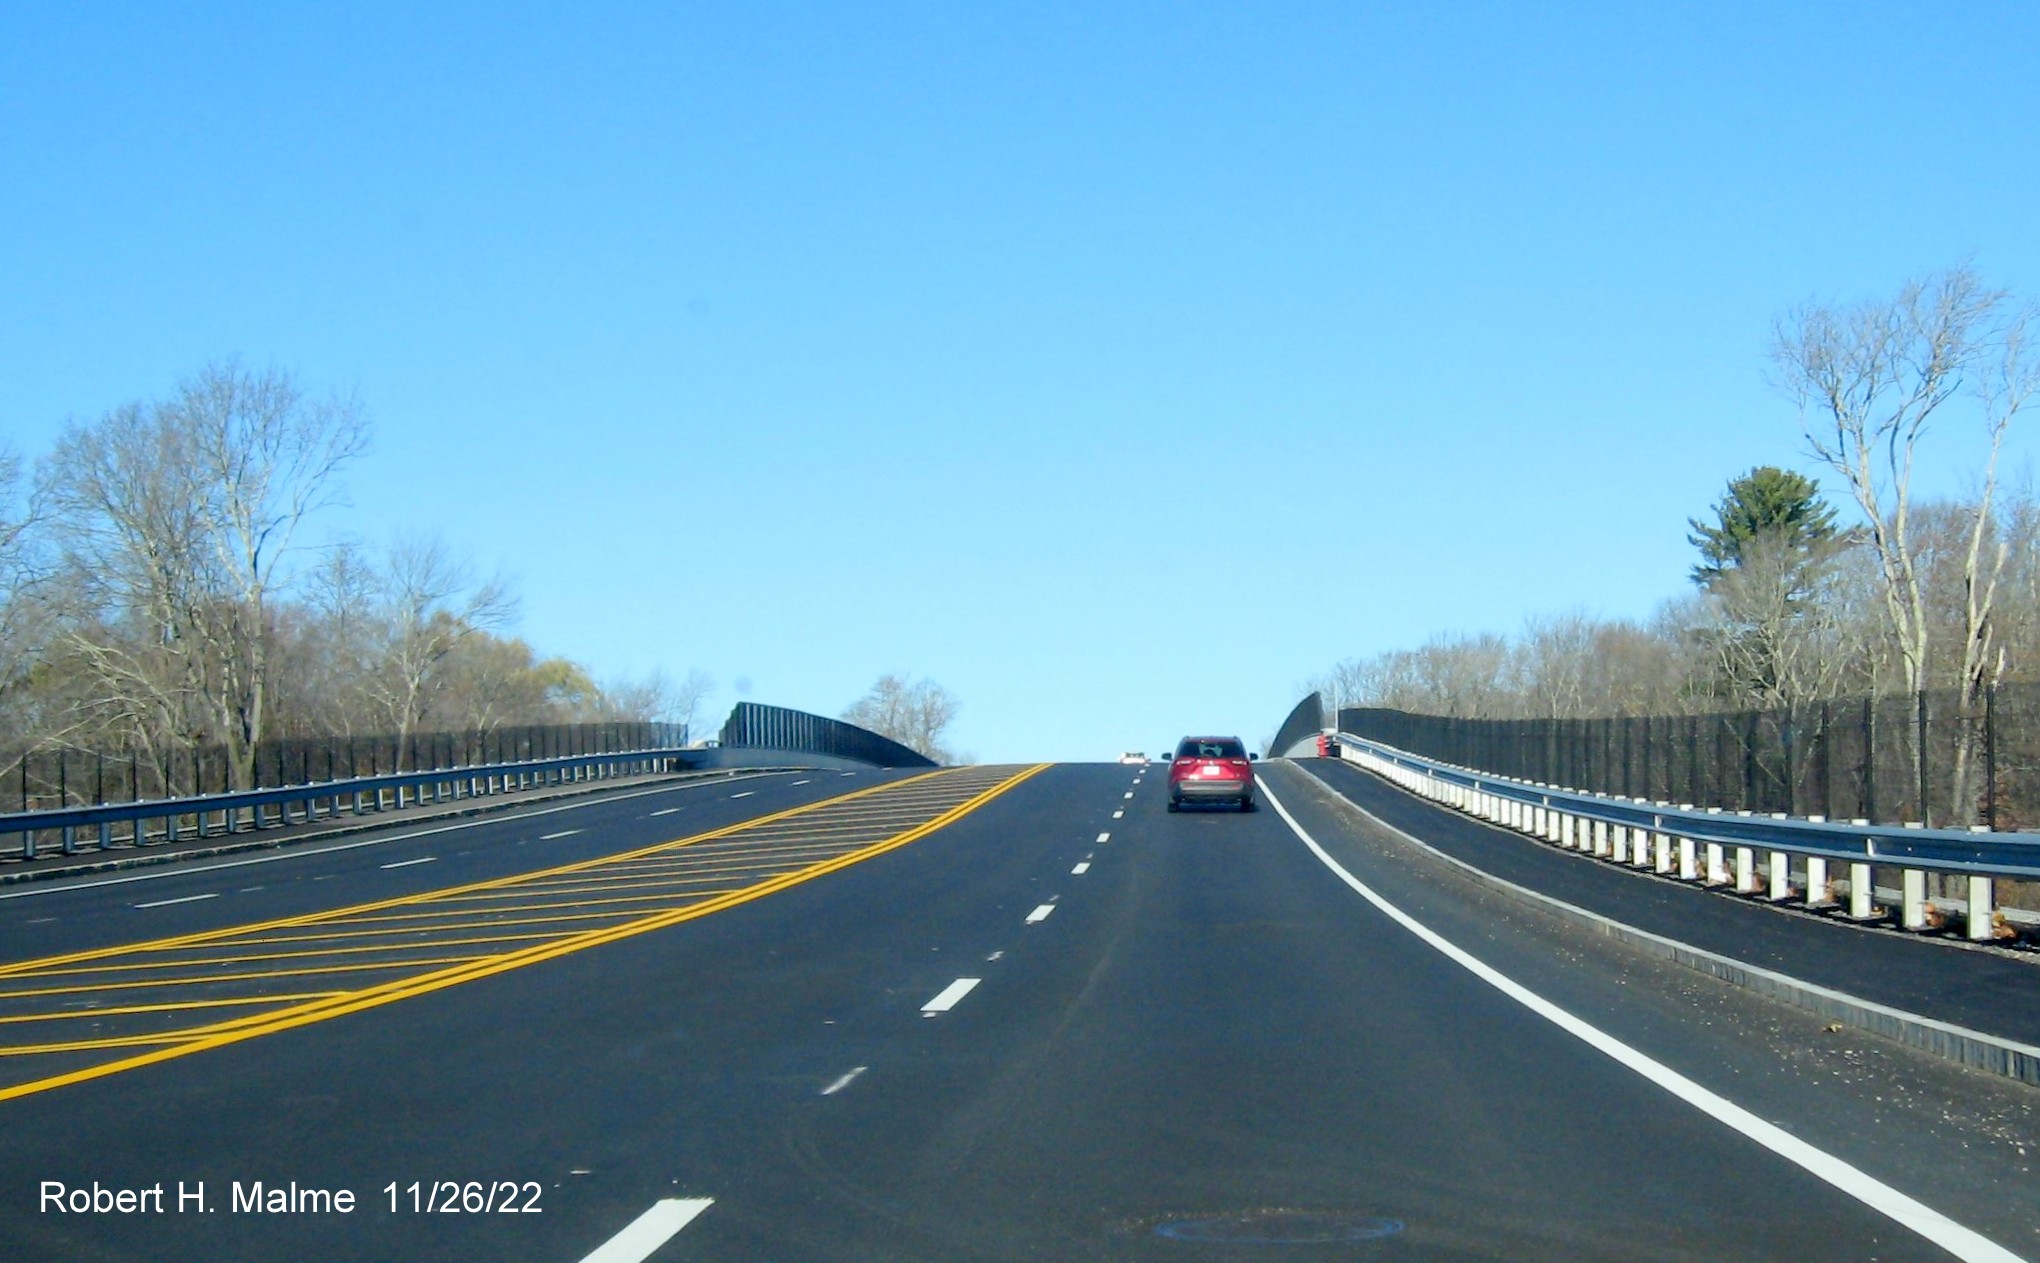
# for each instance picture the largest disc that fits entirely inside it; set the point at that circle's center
(984, 1014)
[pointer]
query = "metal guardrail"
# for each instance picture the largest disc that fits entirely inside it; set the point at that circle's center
(1777, 857)
(205, 815)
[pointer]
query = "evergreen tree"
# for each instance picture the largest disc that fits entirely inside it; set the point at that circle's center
(1766, 504)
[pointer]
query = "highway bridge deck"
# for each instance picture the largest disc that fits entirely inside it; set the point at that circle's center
(1033, 1018)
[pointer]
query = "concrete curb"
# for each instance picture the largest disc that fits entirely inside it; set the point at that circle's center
(163, 854)
(1976, 1049)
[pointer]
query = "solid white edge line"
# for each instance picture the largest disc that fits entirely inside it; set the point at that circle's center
(1040, 914)
(164, 903)
(1772, 976)
(946, 998)
(1964, 1243)
(423, 859)
(57, 885)
(650, 1230)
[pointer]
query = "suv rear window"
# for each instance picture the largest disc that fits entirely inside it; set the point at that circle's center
(1211, 748)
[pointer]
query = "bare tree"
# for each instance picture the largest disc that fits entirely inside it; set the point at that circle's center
(429, 603)
(340, 647)
(492, 681)
(1868, 380)
(1554, 665)
(136, 566)
(658, 698)
(181, 520)
(1774, 627)
(24, 620)
(914, 713)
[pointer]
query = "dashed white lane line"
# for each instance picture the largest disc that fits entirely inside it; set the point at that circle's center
(1040, 914)
(667, 811)
(563, 833)
(164, 903)
(1104, 837)
(1129, 793)
(946, 999)
(803, 782)
(995, 955)
(746, 794)
(1117, 814)
(650, 1230)
(844, 1082)
(1081, 869)
(1964, 1243)
(423, 859)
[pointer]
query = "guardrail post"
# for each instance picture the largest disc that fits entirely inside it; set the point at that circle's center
(1661, 847)
(1618, 844)
(1689, 868)
(1914, 881)
(1817, 893)
(1781, 876)
(1862, 893)
(1745, 870)
(1982, 906)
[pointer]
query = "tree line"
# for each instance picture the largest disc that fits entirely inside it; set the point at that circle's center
(1796, 600)
(175, 577)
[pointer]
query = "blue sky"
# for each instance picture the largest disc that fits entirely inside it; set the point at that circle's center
(1116, 366)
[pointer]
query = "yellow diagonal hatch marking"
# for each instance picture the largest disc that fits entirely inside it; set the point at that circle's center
(116, 999)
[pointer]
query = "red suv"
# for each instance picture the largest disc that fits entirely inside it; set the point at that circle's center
(1211, 769)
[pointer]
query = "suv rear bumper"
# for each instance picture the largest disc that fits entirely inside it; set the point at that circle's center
(1192, 790)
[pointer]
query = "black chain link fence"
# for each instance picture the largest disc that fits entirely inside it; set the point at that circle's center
(757, 727)
(1304, 722)
(1889, 760)
(71, 777)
